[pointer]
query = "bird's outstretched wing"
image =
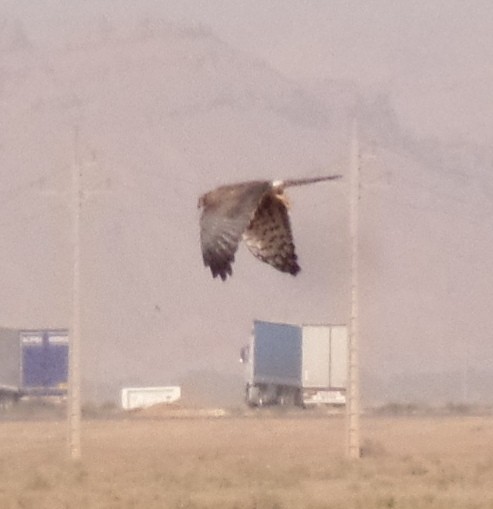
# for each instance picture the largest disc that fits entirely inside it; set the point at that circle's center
(269, 235)
(304, 181)
(227, 212)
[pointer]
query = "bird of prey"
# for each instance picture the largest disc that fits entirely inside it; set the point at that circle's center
(256, 211)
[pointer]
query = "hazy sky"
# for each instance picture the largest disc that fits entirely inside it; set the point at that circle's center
(164, 118)
(435, 57)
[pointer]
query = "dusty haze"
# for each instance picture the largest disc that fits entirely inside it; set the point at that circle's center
(173, 98)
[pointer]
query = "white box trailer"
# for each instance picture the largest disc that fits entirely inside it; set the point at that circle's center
(296, 364)
(143, 397)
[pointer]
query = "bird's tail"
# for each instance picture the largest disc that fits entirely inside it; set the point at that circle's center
(309, 180)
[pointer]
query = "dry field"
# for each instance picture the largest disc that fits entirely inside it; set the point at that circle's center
(249, 462)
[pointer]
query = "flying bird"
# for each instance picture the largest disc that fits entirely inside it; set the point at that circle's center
(256, 212)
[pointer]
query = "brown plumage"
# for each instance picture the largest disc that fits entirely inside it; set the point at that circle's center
(255, 211)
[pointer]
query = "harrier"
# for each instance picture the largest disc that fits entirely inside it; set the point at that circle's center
(256, 211)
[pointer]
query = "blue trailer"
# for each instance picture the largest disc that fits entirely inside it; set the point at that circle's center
(33, 363)
(288, 364)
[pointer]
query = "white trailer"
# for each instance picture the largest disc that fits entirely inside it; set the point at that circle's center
(300, 365)
(143, 397)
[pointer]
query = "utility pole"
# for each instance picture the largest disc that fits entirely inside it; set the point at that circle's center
(465, 375)
(74, 409)
(352, 403)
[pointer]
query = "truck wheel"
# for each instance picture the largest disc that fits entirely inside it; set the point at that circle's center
(253, 396)
(262, 397)
(6, 402)
(286, 397)
(298, 399)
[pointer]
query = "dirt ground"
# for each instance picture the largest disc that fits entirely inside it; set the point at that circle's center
(255, 462)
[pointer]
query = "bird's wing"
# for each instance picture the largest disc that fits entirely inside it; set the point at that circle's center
(305, 181)
(269, 235)
(227, 212)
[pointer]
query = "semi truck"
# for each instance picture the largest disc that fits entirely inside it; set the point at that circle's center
(288, 364)
(33, 363)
